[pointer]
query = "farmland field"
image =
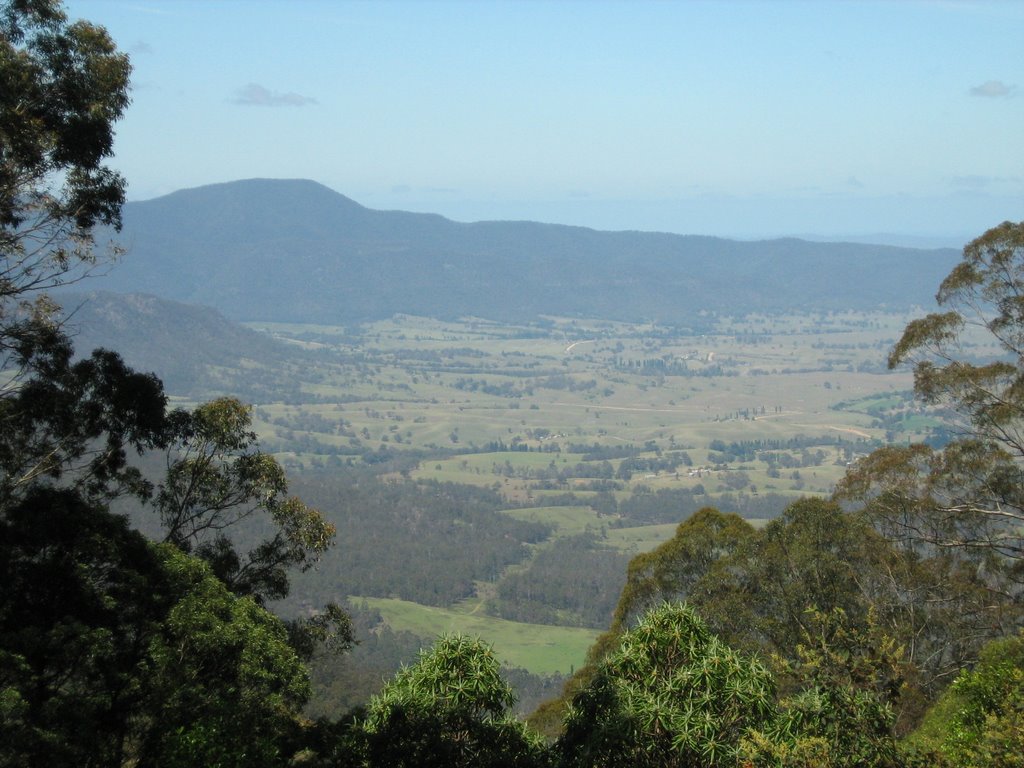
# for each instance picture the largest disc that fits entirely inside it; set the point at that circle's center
(591, 428)
(541, 649)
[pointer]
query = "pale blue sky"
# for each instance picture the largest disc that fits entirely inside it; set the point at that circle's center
(730, 118)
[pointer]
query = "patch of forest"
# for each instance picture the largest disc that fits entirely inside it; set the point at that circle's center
(573, 582)
(425, 542)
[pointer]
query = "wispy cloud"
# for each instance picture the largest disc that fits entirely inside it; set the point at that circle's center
(993, 89)
(256, 95)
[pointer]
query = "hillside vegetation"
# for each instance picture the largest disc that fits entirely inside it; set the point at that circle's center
(295, 251)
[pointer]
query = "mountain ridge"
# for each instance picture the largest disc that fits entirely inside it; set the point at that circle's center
(296, 251)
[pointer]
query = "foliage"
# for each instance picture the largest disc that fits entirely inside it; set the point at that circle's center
(755, 587)
(817, 561)
(703, 564)
(216, 478)
(842, 715)
(979, 720)
(673, 694)
(968, 496)
(62, 87)
(82, 597)
(226, 686)
(114, 649)
(573, 582)
(813, 561)
(451, 708)
(957, 514)
(426, 542)
(117, 651)
(820, 581)
(73, 422)
(826, 727)
(691, 566)
(343, 682)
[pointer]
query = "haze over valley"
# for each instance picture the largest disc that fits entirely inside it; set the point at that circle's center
(585, 391)
(450, 384)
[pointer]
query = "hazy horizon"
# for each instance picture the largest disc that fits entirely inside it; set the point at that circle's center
(736, 119)
(505, 212)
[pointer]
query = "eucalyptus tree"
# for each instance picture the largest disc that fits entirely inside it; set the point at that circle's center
(115, 650)
(218, 478)
(63, 86)
(969, 359)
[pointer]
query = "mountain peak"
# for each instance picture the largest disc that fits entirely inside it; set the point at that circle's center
(262, 189)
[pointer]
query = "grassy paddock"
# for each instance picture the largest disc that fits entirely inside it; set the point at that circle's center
(641, 539)
(541, 649)
(567, 521)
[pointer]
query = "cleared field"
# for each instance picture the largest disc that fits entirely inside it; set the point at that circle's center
(641, 539)
(761, 406)
(541, 649)
(568, 412)
(566, 521)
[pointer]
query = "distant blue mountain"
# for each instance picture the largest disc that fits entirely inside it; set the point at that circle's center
(293, 250)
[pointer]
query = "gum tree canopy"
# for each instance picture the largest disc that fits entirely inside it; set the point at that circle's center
(115, 650)
(62, 87)
(968, 496)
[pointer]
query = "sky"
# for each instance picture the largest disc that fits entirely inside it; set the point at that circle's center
(738, 119)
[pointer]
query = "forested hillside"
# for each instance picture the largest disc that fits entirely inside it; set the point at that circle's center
(295, 251)
(196, 350)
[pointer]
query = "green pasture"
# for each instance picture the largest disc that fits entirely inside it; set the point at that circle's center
(646, 538)
(640, 539)
(874, 403)
(541, 649)
(566, 521)
(488, 468)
